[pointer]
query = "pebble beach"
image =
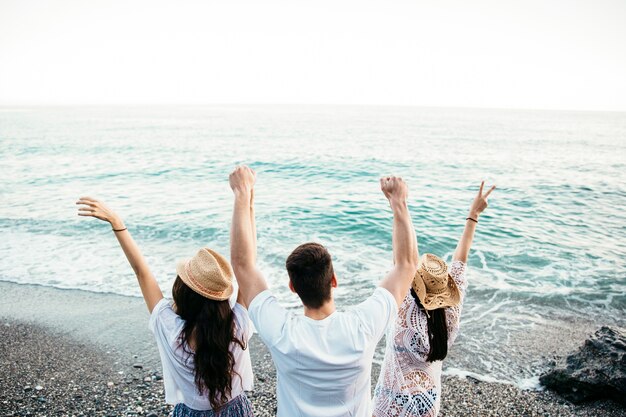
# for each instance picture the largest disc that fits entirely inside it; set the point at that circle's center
(74, 353)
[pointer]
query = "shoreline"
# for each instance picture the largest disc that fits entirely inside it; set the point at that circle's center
(84, 350)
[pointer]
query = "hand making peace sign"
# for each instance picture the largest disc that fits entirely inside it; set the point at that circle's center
(480, 202)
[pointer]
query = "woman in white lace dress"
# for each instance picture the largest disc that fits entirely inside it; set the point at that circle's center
(409, 384)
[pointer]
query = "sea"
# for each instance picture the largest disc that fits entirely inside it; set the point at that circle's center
(549, 254)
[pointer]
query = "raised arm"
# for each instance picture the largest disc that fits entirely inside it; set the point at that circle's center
(478, 206)
(243, 236)
(240, 298)
(405, 257)
(253, 222)
(149, 287)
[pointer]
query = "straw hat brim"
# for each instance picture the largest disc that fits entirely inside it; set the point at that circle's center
(451, 297)
(181, 270)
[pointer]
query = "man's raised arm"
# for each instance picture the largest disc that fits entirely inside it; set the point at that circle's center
(405, 256)
(243, 236)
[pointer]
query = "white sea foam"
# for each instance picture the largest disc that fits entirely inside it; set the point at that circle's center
(461, 373)
(531, 383)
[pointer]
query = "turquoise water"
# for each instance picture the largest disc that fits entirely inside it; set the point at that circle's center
(551, 244)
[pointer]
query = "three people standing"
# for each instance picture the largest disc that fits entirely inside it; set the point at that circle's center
(323, 358)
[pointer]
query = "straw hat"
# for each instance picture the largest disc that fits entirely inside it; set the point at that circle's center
(434, 287)
(208, 273)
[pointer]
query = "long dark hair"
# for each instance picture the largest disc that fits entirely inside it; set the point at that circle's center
(437, 332)
(210, 328)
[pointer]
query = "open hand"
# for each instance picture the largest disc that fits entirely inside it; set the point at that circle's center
(242, 179)
(480, 201)
(394, 188)
(94, 208)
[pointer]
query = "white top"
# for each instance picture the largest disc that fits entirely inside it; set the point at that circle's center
(178, 366)
(408, 385)
(323, 366)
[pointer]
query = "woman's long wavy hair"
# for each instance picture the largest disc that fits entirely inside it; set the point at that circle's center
(210, 329)
(437, 332)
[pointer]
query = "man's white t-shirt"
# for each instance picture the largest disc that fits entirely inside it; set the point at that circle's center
(178, 366)
(323, 366)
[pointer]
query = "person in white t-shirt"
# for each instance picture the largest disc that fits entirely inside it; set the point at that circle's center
(202, 339)
(323, 358)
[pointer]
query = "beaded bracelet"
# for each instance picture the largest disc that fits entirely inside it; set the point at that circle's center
(474, 220)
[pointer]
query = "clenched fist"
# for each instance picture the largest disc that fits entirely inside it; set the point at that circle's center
(242, 179)
(395, 189)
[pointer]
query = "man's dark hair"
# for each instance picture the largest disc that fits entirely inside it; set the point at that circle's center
(310, 270)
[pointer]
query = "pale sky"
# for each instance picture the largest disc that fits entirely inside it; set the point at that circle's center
(546, 54)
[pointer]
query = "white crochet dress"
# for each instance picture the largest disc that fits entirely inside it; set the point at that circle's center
(408, 386)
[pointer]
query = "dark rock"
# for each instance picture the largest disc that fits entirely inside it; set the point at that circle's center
(596, 370)
(472, 379)
(152, 415)
(137, 366)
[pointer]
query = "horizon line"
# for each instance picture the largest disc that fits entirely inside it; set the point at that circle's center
(269, 104)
